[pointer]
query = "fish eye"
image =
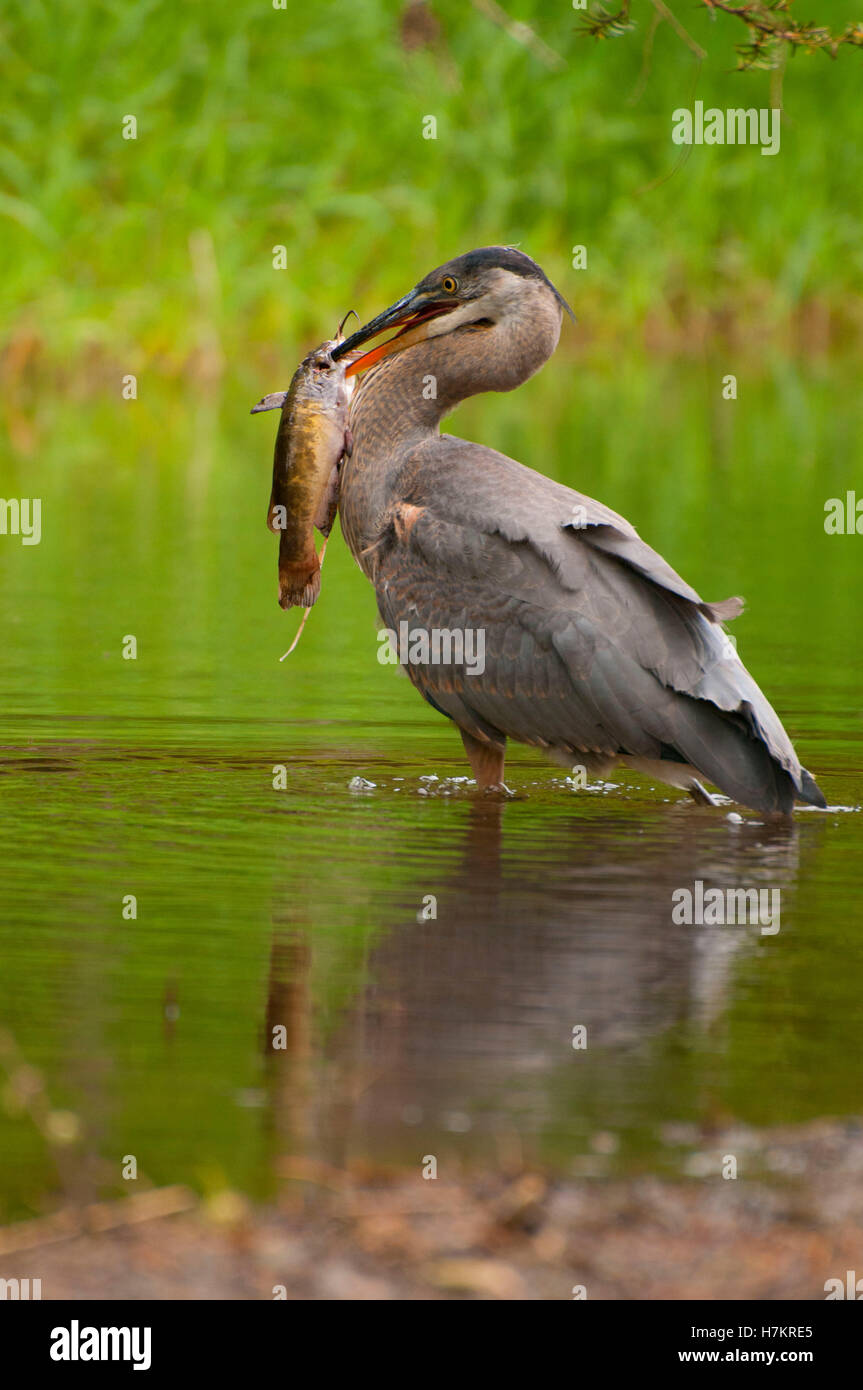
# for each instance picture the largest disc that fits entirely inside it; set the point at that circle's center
(449, 284)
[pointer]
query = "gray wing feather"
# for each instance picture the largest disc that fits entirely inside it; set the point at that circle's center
(593, 642)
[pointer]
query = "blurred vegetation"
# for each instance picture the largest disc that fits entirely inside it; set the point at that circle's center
(303, 127)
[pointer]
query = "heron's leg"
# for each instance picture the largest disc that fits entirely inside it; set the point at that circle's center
(486, 761)
(700, 794)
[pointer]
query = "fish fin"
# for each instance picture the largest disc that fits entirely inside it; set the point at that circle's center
(299, 584)
(274, 401)
(328, 503)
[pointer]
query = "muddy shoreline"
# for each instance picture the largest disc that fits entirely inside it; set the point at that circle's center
(355, 1234)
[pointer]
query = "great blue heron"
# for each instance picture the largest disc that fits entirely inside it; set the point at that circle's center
(595, 649)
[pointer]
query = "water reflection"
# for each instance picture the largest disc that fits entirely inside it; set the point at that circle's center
(260, 908)
(464, 1026)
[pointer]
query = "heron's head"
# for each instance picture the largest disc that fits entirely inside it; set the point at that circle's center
(494, 303)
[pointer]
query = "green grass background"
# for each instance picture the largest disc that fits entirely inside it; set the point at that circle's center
(303, 127)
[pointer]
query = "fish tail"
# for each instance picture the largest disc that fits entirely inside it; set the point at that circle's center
(299, 584)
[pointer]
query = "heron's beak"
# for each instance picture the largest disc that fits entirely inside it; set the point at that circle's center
(410, 314)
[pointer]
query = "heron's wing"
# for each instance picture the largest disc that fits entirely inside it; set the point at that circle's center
(591, 641)
(529, 506)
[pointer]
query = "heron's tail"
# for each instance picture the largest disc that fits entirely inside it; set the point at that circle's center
(810, 793)
(728, 752)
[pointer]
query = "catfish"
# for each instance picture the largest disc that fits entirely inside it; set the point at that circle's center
(312, 439)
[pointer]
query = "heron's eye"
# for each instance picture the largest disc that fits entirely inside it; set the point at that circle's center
(449, 284)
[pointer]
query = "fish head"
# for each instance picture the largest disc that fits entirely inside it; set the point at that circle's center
(324, 378)
(319, 380)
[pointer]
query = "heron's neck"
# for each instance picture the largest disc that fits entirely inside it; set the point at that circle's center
(400, 403)
(396, 404)
(397, 407)
(405, 396)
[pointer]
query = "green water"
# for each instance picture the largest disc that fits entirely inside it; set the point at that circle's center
(298, 907)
